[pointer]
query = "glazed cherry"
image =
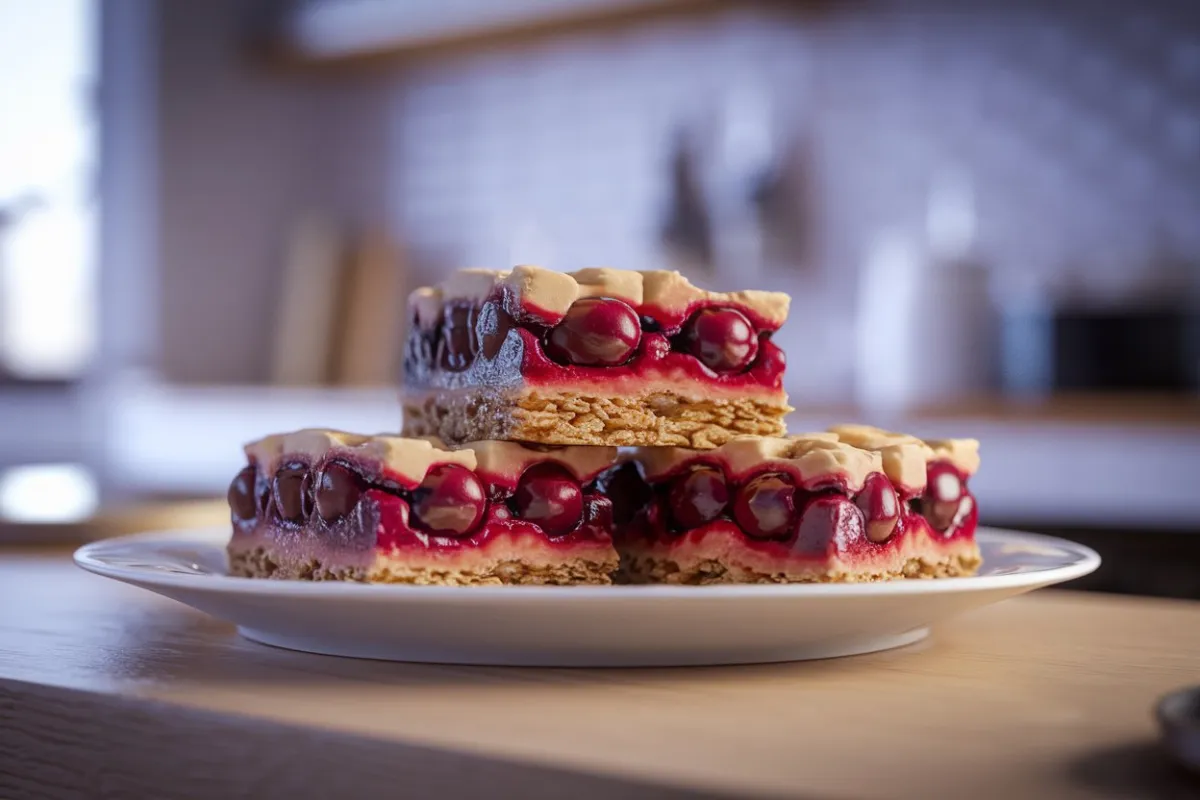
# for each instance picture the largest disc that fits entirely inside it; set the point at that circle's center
(241, 495)
(765, 508)
(492, 327)
(629, 492)
(265, 493)
(293, 493)
(943, 493)
(338, 489)
(596, 332)
(722, 339)
(549, 497)
(830, 523)
(880, 506)
(944, 482)
(457, 345)
(449, 502)
(698, 497)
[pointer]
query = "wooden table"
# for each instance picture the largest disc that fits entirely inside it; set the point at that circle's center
(106, 689)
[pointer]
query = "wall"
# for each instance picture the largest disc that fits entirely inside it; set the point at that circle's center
(1077, 131)
(243, 152)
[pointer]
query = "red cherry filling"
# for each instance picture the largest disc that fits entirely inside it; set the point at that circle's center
(291, 489)
(549, 497)
(241, 495)
(338, 489)
(765, 508)
(722, 339)
(457, 345)
(698, 497)
(449, 502)
(493, 326)
(596, 331)
(881, 507)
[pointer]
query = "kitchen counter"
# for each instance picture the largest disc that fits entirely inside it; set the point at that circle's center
(104, 687)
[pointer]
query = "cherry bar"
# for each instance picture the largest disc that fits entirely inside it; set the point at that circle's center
(321, 505)
(852, 504)
(600, 356)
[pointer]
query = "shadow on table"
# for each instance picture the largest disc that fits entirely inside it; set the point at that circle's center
(1136, 769)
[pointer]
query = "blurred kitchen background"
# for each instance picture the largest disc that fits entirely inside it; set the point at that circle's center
(987, 214)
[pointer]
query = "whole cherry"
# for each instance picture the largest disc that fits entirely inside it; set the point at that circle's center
(765, 508)
(449, 502)
(596, 332)
(698, 497)
(722, 339)
(549, 497)
(337, 491)
(241, 495)
(880, 506)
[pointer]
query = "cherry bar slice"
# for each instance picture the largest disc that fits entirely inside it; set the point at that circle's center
(811, 507)
(603, 357)
(389, 509)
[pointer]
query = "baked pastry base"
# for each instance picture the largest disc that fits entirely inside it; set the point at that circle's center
(722, 554)
(649, 569)
(571, 418)
(259, 562)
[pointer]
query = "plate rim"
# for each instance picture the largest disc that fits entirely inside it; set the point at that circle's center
(86, 557)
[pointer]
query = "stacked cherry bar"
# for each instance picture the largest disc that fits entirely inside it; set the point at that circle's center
(326, 505)
(594, 357)
(534, 378)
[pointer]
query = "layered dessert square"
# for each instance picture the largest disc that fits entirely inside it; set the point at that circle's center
(595, 357)
(327, 505)
(851, 504)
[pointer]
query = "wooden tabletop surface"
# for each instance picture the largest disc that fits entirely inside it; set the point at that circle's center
(110, 690)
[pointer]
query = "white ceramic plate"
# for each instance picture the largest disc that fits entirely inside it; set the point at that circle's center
(578, 625)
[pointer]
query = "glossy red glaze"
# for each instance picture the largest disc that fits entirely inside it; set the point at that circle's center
(653, 359)
(393, 531)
